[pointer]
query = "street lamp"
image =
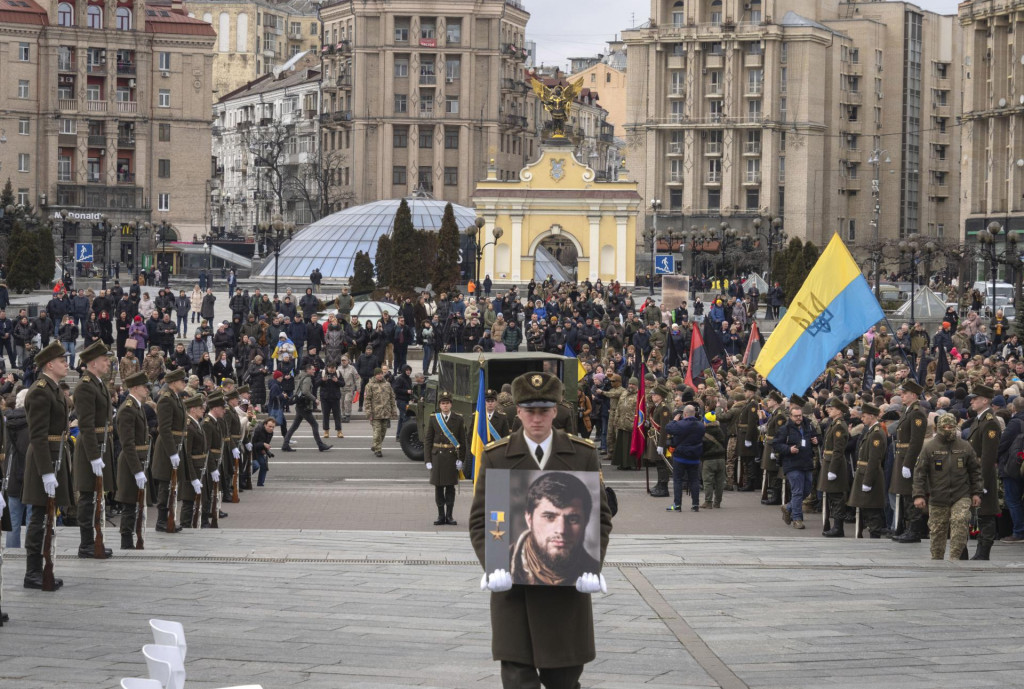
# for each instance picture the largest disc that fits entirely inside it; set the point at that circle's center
(473, 232)
(274, 235)
(655, 207)
(63, 240)
(875, 160)
(771, 229)
(104, 229)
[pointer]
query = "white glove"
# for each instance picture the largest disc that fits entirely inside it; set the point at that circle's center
(500, 580)
(140, 480)
(215, 475)
(906, 472)
(429, 466)
(50, 485)
(248, 446)
(865, 488)
(773, 455)
(235, 453)
(661, 451)
(197, 486)
(2, 503)
(175, 460)
(591, 583)
(831, 476)
(97, 467)
(747, 443)
(458, 465)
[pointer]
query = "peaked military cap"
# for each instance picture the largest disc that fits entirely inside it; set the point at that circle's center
(445, 396)
(242, 389)
(775, 395)
(911, 386)
(490, 395)
(215, 400)
(537, 390)
(233, 395)
(93, 351)
(176, 374)
(136, 379)
(868, 408)
(839, 404)
(50, 352)
(979, 390)
(195, 401)
(661, 390)
(750, 386)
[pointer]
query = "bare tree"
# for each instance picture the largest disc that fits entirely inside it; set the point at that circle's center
(267, 142)
(318, 182)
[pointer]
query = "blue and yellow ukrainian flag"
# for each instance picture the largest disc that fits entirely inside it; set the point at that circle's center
(481, 435)
(833, 307)
(580, 371)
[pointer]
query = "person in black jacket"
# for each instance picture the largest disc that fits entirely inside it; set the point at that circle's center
(365, 364)
(308, 304)
(794, 444)
(330, 387)
(261, 453)
(402, 385)
(1009, 470)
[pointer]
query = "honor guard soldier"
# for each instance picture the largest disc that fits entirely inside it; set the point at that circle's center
(214, 431)
(444, 448)
(498, 422)
(541, 634)
(93, 448)
(195, 451)
(834, 479)
(133, 433)
(947, 481)
(747, 432)
(170, 425)
(868, 490)
(47, 465)
(983, 435)
(909, 441)
(660, 415)
(233, 443)
(247, 420)
(778, 415)
(5, 512)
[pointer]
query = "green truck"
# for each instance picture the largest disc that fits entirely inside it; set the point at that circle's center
(459, 375)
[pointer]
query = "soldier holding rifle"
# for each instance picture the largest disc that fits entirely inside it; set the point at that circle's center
(47, 472)
(93, 472)
(133, 432)
(213, 429)
(170, 423)
(195, 452)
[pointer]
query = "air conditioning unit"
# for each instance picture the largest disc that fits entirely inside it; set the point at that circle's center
(165, 75)
(449, 80)
(879, 94)
(131, 83)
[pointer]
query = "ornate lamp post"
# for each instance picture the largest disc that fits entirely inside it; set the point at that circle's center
(771, 230)
(911, 248)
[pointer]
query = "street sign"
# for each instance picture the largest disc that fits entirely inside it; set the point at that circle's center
(664, 264)
(83, 253)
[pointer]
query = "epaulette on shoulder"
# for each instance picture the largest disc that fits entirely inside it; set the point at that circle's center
(41, 384)
(496, 443)
(85, 378)
(128, 402)
(582, 441)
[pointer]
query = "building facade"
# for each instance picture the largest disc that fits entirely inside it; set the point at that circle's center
(422, 95)
(256, 36)
(100, 100)
(836, 117)
(601, 74)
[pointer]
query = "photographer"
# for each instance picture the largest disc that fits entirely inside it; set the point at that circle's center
(305, 405)
(261, 453)
(331, 386)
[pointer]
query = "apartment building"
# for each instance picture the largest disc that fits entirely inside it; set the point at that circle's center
(795, 108)
(255, 36)
(606, 74)
(100, 99)
(423, 95)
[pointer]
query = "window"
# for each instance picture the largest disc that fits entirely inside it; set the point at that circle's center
(451, 176)
(453, 32)
(678, 83)
(715, 107)
(678, 112)
(427, 29)
(755, 77)
(164, 62)
(851, 230)
(425, 178)
(852, 113)
(23, 52)
(940, 96)
(402, 32)
(855, 55)
(93, 92)
(399, 176)
(940, 230)
(24, 125)
(164, 99)
(452, 68)
(22, 88)
(164, 202)
(714, 199)
(426, 137)
(312, 29)
(164, 168)
(65, 14)
(451, 105)
(23, 162)
(94, 16)
(753, 199)
(401, 103)
(400, 137)
(675, 199)
(675, 173)
(64, 167)
(782, 108)
(716, 12)
(451, 138)
(427, 74)
(941, 70)
(164, 132)
(22, 197)
(754, 109)
(753, 170)
(124, 19)
(68, 126)
(401, 67)
(678, 19)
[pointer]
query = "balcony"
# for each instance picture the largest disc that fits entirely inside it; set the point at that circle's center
(341, 116)
(515, 52)
(96, 105)
(126, 68)
(938, 190)
(428, 80)
(852, 97)
(126, 178)
(67, 139)
(100, 198)
(675, 178)
(677, 91)
(751, 178)
(126, 142)
(65, 65)
(96, 68)
(676, 118)
(243, 126)
(67, 104)
(675, 148)
(295, 35)
(713, 91)
(854, 68)
(516, 121)
(97, 141)
(713, 148)
(712, 178)
(756, 60)
(344, 81)
(752, 148)
(128, 106)
(714, 60)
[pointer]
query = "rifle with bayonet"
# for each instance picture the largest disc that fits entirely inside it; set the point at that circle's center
(49, 535)
(216, 497)
(172, 493)
(234, 477)
(140, 506)
(100, 513)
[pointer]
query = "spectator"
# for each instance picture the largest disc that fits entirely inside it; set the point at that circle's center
(687, 433)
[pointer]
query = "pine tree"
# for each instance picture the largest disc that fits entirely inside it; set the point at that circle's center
(22, 274)
(362, 274)
(7, 195)
(47, 253)
(406, 252)
(446, 270)
(427, 246)
(382, 261)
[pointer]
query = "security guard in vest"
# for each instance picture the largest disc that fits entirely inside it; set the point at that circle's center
(909, 441)
(92, 457)
(444, 448)
(133, 434)
(170, 425)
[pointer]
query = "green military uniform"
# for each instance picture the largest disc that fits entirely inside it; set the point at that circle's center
(46, 410)
(94, 411)
(381, 407)
(747, 435)
(659, 417)
(712, 464)
(909, 441)
(983, 435)
(770, 466)
(947, 475)
(539, 627)
(625, 413)
(170, 426)
(565, 418)
(869, 473)
(442, 453)
(499, 421)
(213, 429)
(133, 434)
(196, 452)
(233, 441)
(833, 461)
(727, 420)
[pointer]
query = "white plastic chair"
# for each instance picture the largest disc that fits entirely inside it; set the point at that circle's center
(165, 665)
(168, 633)
(140, 683)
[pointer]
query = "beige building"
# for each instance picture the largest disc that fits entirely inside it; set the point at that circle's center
(107, 114)
(782, 108)
(255, 36)
(421, 95)
(610, 82)
(993, 114)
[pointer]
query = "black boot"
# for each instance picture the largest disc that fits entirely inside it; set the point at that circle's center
(440, 516)
(4, 617)
(34, 573)
(908, 536)
(127, 541)
(448, 516)
(982, 551)
(87, 548)
(963, 554)
(837, 530)
(660, 490)
(161, 518)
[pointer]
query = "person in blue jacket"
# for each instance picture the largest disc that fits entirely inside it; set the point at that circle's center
(687, 433)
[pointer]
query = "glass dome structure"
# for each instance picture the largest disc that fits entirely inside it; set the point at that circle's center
(331, 243)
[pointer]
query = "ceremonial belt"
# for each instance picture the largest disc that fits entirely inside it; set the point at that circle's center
(445, 446)
(444, 429)
(827, 452)
(198, 456)
(491, 432)
(862, 464)
(55, 438)
(235, 437)
(177, 432)
(214, 452)
(141, 447)
(902, 444)
(103, 429)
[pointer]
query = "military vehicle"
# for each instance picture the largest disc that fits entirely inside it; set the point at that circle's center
(459, 375)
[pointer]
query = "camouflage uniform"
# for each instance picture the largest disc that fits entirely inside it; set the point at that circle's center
(381, 408)
(947, 474)
(625, 412)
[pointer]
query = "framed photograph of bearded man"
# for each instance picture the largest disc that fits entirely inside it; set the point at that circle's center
(544, 526)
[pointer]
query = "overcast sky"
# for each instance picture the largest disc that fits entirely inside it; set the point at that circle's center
(575, 28)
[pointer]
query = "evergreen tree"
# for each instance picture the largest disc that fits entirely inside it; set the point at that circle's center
(446, 269)
(7, 195)
(362, 274)
(47, 253)
(406, 252)
(22, 274)
(383, 262)
(791, 268)
(426, 241)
